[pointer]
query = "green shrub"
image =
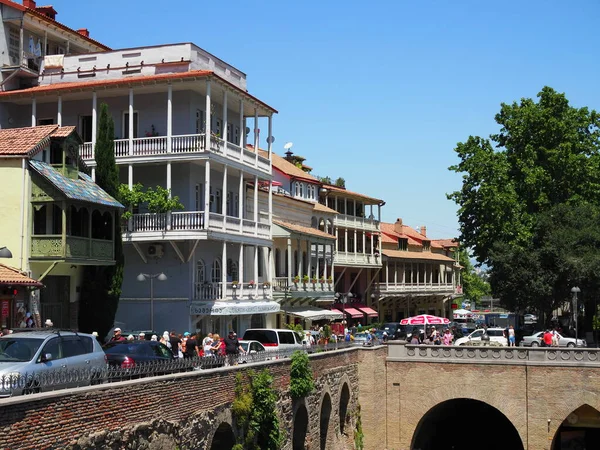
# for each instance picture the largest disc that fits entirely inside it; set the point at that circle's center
(301, 376)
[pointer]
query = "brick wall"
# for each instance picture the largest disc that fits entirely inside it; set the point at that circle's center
(184, 409)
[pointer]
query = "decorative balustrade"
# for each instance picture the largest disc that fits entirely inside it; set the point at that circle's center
(76, 247)
(415, 287)
(357, 258)
(280, 284)
(208, 291)
(194, 221)
(188, 143)
(362, 223)
(399, 351)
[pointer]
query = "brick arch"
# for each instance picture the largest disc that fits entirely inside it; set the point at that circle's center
(300, 424)
(576, 415)
(344, 381)
(221, 421)
(422, 395)
(325, 413)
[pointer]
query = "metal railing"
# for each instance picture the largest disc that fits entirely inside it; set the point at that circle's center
(50, 380)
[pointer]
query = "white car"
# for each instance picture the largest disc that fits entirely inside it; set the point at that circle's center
(530, 318)
(535, 340)
(496, 337)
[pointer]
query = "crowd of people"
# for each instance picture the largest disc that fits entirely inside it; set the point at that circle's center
(188, 345)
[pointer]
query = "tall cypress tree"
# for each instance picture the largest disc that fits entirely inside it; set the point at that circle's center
(102, 284)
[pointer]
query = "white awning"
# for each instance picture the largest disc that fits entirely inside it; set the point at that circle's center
(312, 313)
(232, 308)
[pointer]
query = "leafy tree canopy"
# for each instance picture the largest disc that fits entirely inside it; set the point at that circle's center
(474, 285)
(546, 153)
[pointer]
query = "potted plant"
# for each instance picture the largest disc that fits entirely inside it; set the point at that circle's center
(234, 284)
(329, 279)
(251, 284)
(314, 280)
(305, 279)
(322, 280)
(266, 285)
(297, 279)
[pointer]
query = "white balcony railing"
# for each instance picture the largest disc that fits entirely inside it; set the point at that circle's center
(357, 259)
(189, 143)
(195, 221)
(214, 291)
(360, 223)
(415, 287)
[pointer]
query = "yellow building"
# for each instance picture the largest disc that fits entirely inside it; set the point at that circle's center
(54, 218)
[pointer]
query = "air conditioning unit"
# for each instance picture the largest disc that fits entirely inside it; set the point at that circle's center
(156, 251)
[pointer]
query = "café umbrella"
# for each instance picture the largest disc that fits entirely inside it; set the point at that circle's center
(425, 319)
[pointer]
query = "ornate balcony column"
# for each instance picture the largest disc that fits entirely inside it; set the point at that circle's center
(33, 112)
(130, 121)
(241, 202)
(300, 260)
(317, 259)
(206, 193)
(224, 271)
(225, 136)
(256, 136)
(325, 261)
(255, 266)
(169, 118)
(224, 197)
(207, 128)
(387, 275)
(270, 137)
(309, 256)
(256, 204)
(241, 270)
(94, 128)
(289, 261)
(59, 113)
(346, 241)
(242, 133)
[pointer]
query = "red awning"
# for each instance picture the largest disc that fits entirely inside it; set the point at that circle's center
(333, 310)
(354, 313)
(369, 311)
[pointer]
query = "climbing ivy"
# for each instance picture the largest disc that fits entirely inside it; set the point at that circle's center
(255, 412)
(301, 376)
(158, 200)
(358, 432)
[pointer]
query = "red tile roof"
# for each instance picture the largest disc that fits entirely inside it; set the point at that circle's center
(78, 86)
(53, 22)
(302, 229)
(336, 189)
(446, 243)
(11, 276)
(401, 254)
(27, 141)
(283, 165)
(389, 229)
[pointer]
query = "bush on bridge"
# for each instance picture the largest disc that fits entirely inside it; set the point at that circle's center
(301, 376)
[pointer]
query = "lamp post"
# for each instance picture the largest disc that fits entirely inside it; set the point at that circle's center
(575, 290)
(145, 276)
(5, 252)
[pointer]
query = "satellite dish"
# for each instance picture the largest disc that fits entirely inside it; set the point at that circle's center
(288, 145)
(270, 139)
(247, 131)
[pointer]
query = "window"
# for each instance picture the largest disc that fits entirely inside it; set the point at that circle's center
(216, 203)
(200, 121)
(85, 128)
(229, 132)
(218, 127)
(161, 351)
(301, 190)
(72, 346)
(126, 124)
(216, 271)
(286, 337)
(426, 246)
(260, 261)
(403, 244)
(14, 44)
(236, 136)
(232, 270)
(232, 204)
(53, 347)
(200, 273)
(45, 121)
(296, 189)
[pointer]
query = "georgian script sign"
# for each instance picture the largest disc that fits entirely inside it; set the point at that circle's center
(232, 308)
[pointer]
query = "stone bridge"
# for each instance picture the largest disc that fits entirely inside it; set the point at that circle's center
(410, 397)
(192, 410)
(507, 398)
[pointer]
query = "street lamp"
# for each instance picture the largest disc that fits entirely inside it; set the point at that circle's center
(5, 252)
(145, 276)
(575, 290)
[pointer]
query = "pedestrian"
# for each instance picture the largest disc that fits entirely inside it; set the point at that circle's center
(414, 340)
(174, 343)
(207, 344)
(218, 348)
(117, 337)
(142, 336)
(448, 337)
(49, 323)
(232, 348)
(511, 336)
(547, 339)
(191, 346)
(154, 338)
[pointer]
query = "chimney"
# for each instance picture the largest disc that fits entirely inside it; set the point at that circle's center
(84, 32)
(398, 226)
(424, 230)
(289, 155)
(29, 4)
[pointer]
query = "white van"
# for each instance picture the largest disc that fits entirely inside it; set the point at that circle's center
(274, 339)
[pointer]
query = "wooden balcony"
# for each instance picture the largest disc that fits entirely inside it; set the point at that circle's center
(416, 288)
(357, 259)
(359, 223)
(281, 286)
(208, 291)
(196, 221)
(190, 144)
(50, 247)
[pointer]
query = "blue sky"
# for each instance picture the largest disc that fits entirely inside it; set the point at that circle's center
(377, 92)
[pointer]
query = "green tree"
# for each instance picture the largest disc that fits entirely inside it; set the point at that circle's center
(546, 154)
(101, 287)
(301, 376)
(474, 286)
(340, 182)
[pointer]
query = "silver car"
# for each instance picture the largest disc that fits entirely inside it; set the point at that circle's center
(35, 361)
(535, 340)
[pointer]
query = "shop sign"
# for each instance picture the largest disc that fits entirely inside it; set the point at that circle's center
(232, 309)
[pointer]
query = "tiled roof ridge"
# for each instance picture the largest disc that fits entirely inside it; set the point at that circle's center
(21, 278)
(25, 141)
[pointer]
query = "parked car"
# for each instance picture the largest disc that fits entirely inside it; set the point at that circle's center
(255, 351)
(274, 339)
(535, 340)
(128, 354)
(395, 330)
(38, 353)
(530, 318)
(496, 337)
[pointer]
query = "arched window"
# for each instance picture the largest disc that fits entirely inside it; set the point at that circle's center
(301, 190)
(200, 271)
(232, 270)
(216, 271)
(296, 189)
(314, 223)
(322, 225)
(330, 227)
